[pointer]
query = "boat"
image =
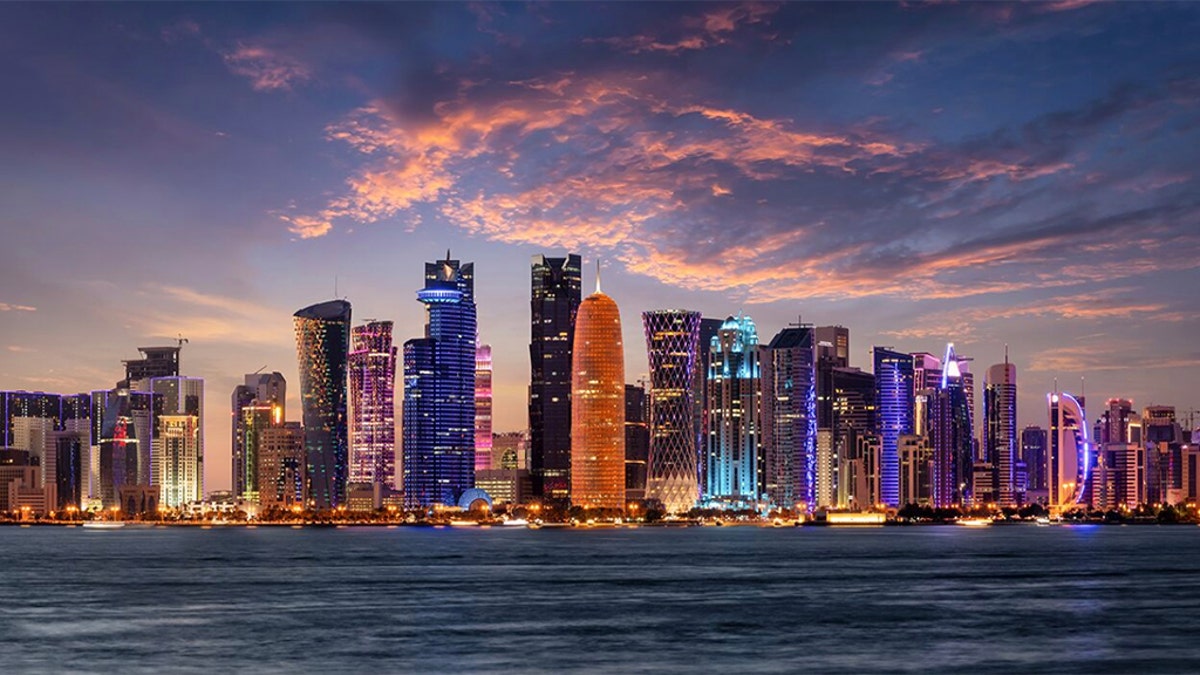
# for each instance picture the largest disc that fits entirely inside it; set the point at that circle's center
(974, 522)
(464, 523)
(103, 524)
(1042, 522)
(516, 522)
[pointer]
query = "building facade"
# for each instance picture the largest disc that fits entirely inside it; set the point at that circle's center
(177, 465)
(789, 418)
(555, 292)
(1000, 448)
(672, 345)
(598, 405)
(439, 389)
(736, 467)
(372, 431)
(894, 410)
(322, 345)
(258, 404)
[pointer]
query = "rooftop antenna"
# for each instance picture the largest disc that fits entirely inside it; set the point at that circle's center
(259, 370)
(181, 341)
(335, 288)
(597, 275)
(1082, 386)
(1006, 353)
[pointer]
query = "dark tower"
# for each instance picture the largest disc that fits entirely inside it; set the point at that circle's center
(322, 342)
(554, 302)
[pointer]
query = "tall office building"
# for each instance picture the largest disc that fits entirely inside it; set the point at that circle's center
(483, 407)
(894, 415)
(439, 389)
(672, 343)
(789, 417)
(637, 441)
(1033, 454)
(1069, 457)
(951, 437)
(839, 338)
(708, 330)
(258, 404)
(1000, 433)
(177, 457)
(554, 302)
(322, 343)
(123, 423)
(372, 368)
(598, 404)
(736, 467)
(856, 461)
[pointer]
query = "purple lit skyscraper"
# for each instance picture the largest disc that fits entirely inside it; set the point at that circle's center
(372, 368)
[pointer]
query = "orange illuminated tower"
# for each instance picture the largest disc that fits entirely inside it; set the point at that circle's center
(598, 404)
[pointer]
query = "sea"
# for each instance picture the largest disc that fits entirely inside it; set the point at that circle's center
(1002, 599)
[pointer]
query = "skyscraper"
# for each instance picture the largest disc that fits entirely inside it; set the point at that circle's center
(598, 404)
(155, 362)
(1069, 457)
(439, 389)
(372, 368)
(672, 343)
(177, 464)
(950, 435)
(839, 338)
(894, 410)
(1033, 453)
(123, 423)
(789, 417)
(554, 303)
(282, 467)
(1000, 433)
(258, 404)
(736, 471)
(483, 407)
(708, 330)
(322, 343)
(637, 441)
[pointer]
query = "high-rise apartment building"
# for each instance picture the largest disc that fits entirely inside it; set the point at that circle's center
(258, 404)
(322, 345)
(708, 330)
(951, 438)
(736, 469)
(439, 389)
(789, 417)
(637, 441)
(177, 456)
(282, 467)
(372, 368)
(672, 345)
(554, 302)
(598, 405)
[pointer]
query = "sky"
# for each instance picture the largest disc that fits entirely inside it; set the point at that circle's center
(983, 173)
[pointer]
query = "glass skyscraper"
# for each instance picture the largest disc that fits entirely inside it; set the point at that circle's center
(372, 368)
(322, 343)
(1069, 456)
(554, 301)
(177, 455)
(951, 438)
(789, 418)
(598, 405)
(672, 346)
(439, 389)
(736, 471)
(1000, 432)
(894, 416)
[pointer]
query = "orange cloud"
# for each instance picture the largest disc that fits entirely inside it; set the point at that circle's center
(267, 70)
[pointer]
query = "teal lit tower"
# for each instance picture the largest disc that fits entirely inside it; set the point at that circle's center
(439, 389)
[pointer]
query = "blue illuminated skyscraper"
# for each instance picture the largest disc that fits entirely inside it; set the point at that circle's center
(894, 415)
(439, 389)
(322, 343)
(736, 468)
(950, 434)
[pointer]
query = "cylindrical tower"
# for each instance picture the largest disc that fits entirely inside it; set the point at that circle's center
(598, 405)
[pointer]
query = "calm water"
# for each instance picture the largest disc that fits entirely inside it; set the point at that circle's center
(1002, 599)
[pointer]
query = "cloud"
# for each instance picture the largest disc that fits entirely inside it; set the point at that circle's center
(710, 29)
(7, 307)
(267, 69)
(170, 311)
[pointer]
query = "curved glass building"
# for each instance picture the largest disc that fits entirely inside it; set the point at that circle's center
(322, 343)
(672, 341)
(598, 405)
(1069, 457)
(372, 405)
(736, 470)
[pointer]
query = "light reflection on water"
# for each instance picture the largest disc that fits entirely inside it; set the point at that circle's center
(647, 600)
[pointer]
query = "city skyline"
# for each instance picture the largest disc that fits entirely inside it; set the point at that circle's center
(250, 173)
